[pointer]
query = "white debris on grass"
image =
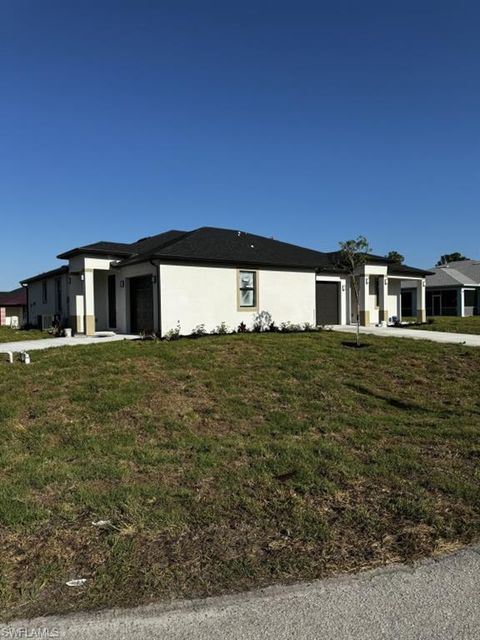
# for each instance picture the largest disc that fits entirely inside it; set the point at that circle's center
(78, 582)
(102, 523)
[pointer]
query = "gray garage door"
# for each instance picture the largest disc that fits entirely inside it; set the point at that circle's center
(327, 303)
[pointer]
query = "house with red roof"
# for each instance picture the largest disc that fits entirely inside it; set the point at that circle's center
(13, 307)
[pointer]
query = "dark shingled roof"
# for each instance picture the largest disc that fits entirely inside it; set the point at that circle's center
(99, 248)
(396, 269)
(154, 243)
(210, 244)
(15, 298)
(226, 246)
(46, 274)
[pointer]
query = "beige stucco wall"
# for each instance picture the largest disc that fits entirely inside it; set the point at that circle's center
(193, 295)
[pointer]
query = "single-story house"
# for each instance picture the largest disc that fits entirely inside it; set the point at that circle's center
(13, 307)
(453, 289)
(208, 276)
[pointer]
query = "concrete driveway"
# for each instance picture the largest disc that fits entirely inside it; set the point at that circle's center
(415, 334)
(433, 600)
(48, 343)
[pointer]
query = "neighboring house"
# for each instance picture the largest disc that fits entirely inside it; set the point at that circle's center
(13, 307)
(209, 276)
(48, 296)
(452, 290)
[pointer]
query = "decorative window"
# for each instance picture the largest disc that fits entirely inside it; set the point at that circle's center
(247, 289)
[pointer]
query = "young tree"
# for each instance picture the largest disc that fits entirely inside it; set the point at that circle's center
(353, 255)
(395, 256)
(450, 257)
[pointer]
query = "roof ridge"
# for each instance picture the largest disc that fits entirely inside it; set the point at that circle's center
(162, 245)
(461, 277)
(256, 235)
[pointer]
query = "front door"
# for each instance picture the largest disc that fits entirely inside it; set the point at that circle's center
(141, 304)
(437, 305)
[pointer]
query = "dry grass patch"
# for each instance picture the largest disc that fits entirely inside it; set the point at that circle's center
(230, 462)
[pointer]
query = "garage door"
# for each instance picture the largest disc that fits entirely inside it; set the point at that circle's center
(327, 303)
(141, 304)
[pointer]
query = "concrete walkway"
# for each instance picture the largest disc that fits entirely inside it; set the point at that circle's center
(415, 334)
(433, 600)
(48, 343)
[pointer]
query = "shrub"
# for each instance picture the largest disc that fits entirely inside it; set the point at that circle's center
(221, 329)
(290, 327)
(242, 328)
(262, 321)
(199, 331)
(173, 334)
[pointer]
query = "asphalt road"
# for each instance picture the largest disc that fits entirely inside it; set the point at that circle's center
(433, 600)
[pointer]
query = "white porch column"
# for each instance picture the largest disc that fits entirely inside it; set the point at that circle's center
(421, 301)
(88, 288)
(383, 298)
(461, 302)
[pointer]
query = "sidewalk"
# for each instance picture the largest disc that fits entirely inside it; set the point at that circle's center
(414, 334)
(48, 343)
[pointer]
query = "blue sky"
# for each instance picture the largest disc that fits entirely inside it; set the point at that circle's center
(312, 122)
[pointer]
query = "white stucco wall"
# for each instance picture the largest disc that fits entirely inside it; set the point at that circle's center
(123, 293)
(373, 303)
(194, 295)
(368, 297)
(393, 299)
(81, 262)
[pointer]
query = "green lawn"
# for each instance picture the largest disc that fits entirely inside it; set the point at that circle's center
(230, 462)
(453, 324)
(7, 334)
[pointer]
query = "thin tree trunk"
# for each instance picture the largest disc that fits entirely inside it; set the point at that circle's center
(357, 303)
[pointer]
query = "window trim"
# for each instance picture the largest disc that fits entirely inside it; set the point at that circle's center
(241, 307)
